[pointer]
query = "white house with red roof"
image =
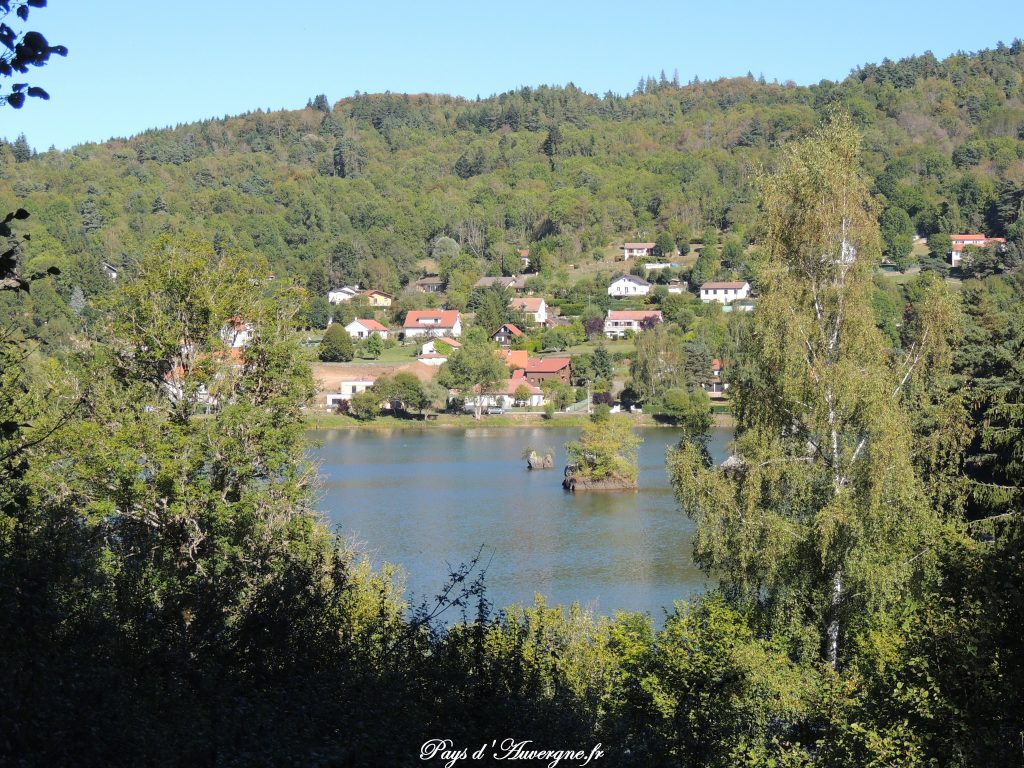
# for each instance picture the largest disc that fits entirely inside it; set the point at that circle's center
(637, 251)
(619, 321)
(978, 241)
(535, 309)
(362, 328)
(432, 322)
(725, 292)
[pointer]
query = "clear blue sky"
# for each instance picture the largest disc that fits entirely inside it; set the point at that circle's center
(148, 64)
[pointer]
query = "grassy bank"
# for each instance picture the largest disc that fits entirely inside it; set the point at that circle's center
(450, 421)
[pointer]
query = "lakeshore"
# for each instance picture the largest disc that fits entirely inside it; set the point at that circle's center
(532, 420)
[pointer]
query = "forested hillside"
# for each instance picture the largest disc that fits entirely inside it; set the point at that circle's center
(360, 191)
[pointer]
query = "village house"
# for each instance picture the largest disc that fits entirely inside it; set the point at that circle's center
(519, 285)
(718, 384)
(516, 359)
(435, 352)
(432, 358)
(340, 381)
(619, 321)
(363, 328)
(534, 309)
(541, 369)
(524, 257)
(490, 282)
(432, 347)
(978, 241)
(345, 293)
(504, 395)
(429, 284)
(236, 332)
(378, 298)
(347, 389)
(675, 285)
(109, 270)
(724, 292)
(628, 285)
(432, 322)
(637, 251)
(506, 335)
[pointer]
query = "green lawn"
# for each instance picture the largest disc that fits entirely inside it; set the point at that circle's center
(397, 354)
(613, 346)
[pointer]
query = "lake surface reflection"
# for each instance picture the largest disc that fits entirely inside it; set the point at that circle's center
(424, 499)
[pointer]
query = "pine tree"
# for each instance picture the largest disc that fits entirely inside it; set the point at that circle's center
(91, 219)
(21, 151)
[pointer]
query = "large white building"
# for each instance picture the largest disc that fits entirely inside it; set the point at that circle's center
(725, 292)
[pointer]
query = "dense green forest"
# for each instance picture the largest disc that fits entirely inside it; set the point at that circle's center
(169, 596)
(361, 192)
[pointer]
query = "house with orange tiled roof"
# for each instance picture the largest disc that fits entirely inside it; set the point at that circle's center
(619, 321)
(541, 369)
(956, 255)
(534, 309)
(514, 358)
(506, 335)
(363, 328)
(432, 322)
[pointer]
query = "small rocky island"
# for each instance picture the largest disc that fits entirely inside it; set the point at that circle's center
(535, 460)
(604, 458)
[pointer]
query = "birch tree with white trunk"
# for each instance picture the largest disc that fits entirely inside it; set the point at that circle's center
(818, 523)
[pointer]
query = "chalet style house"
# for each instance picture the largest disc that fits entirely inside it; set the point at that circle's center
(506, 335)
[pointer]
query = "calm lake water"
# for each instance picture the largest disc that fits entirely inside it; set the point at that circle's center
(427, 499)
